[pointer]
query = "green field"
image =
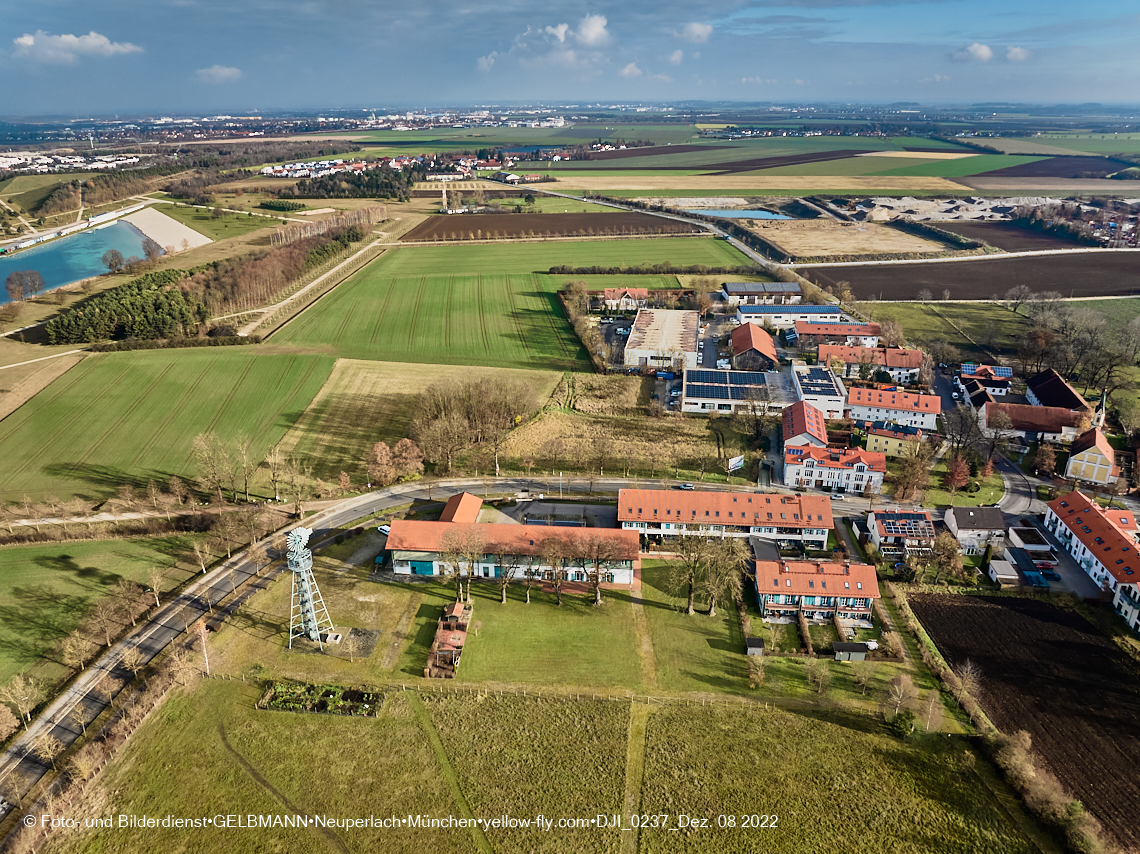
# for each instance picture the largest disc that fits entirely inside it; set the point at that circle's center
(497, 313)
(962, 167)
(218, 228)
(924, 323)
(128, 417)
(30, 191)
(46, 590)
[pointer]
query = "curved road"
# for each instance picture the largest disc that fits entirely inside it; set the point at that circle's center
(168, 623)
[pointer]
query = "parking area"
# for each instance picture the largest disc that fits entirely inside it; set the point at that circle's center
(1072, 577)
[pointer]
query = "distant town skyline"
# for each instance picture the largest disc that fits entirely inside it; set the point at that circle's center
(209, 56)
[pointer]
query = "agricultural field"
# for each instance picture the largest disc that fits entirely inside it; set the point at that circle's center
(520, 225)
(124, 418)
(1106, 273)
(822, 237)
(550, 204)
(506, 321)
(47, 590)
(677, 184)
(972, 328)
(757, 761)
(1055, 167)
(28, 192)
(1043, 668)
(364, 402)
(1010, 237)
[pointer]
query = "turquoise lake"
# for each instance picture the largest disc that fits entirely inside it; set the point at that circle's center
(73, 258)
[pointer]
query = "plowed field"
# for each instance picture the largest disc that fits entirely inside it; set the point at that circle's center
(1049, 672)
(1010, 237)
(505, 226)
(1073, 274)
(1059, 167)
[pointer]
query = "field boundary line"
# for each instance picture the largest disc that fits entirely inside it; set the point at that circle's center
(644, 643)
(400, 633)
(424, 719)
(634, 770)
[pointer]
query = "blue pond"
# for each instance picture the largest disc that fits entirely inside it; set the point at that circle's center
(73, 258)
(736, 214)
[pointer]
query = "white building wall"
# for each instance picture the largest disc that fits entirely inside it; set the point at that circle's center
(909, 418)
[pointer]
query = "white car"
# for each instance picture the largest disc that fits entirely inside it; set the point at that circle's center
(385, 529)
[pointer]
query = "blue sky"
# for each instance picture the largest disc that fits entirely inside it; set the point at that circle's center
(78, 58)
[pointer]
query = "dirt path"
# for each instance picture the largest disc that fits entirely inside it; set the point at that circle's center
(401, 632)
(644, 644)
(448, 773)
(331, 838)
(634, 772)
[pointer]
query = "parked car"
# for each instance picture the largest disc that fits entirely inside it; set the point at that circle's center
(385, 529)
(686, 486)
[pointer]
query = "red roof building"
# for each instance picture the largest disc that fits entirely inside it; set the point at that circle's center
(1047, 423)
(753, 349)
(462, 509)
(818, 589)
(804, 425)
(900, 407)
(850, 334)
(848, 470)
(901, 364)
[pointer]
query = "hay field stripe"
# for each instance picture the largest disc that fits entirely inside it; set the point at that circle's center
(174, 412)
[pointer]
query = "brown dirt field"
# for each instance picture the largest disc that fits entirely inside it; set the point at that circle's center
(1058, 167)
(753, 163)
(807, 184)
(1073, 274)
(1051, 673)
(1011, 238)
(19, 385)
(477, 226)
(809, 238)
(1037, 186)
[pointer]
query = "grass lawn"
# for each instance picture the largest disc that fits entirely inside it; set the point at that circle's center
(497, 320)
(545, 204)
(953, 322)
(691, 653)
(897, 796)
(365, 402)
(128, 417)
(993, 488)
(203, 221)
(47, 590)
(30, 191)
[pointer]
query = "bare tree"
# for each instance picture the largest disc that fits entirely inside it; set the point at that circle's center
(203, 635)
(257, 555)
(687, 572)
(105, 616)
(48, 747)
(132, 661)
(600, 553)
(932, 711)
(507, 566)
(202, 554)
(554, 556)
(352, 647)
(275, 462)
(127, 592)
(76, 650)
(24, 694)
(864, 673)
(155, 579)
(818, 675)
(9, 723)
(900, 694)
(969, 680)
(722, 577)
(244, 463)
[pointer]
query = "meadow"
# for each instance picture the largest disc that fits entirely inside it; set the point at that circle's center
(30, 191)
(967, 326)
(364, 402)
(124, 418)
(203, 221)
(47, 590)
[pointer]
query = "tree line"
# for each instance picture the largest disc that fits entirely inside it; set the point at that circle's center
(99, 190)
(149, 307)
(378, 183)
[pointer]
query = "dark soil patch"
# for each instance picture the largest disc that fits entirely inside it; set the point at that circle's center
(502, 226)
(1010, 237)
(654, 150)
(1083, 274)
(752, 164)
(1057, 167)
(1051, 673)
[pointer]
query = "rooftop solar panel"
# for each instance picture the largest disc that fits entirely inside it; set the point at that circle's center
(718, 377)
(708, 392)
(747, 378)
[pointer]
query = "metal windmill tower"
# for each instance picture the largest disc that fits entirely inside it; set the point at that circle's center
(308, 616)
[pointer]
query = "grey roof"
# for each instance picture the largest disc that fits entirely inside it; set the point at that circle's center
(754, 643)
(761, 288)
(978, 518)
(790, 309)
(849, 647)
(764, 549)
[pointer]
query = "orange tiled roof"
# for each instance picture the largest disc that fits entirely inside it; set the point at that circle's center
(1105, 533)
(900, 400)
(725, 508)
(890, 357)
(500, 538)
(462, 508)
(749, 336)
(829, 459)
(816, 578)
(807, 327)
(801, 417)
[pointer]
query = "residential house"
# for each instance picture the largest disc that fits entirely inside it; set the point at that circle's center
(705, 391)
(420, 547)
(974, 394)
(803, 424)
(1104, 543)
(847, 470)
(899, 533)
(865, 362)
(819, 387)
(817, 333)
(891, 439)
(995, 379)
(820, 590)
(900, 407)
(1092, 459)
(753, 349)
(1003, 574)
(788, 520)
(976, 528)
(760, 293)
(625, 299)
(786, 316)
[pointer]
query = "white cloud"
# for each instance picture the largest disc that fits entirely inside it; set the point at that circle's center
(1017, 54)
(558, 32)
(755, 81)
(696, 54)
(218, 74)
(66, 49)
(696, 33)
(484, 63)
(976, 52)
(676, 57)
(630, 70)
(592, 31)
(664, 78)
(937, 78)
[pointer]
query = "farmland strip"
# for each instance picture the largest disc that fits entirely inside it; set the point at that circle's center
(634, 771)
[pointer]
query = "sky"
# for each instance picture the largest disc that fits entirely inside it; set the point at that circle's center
(65, 57)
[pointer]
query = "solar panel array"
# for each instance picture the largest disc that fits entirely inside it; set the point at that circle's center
(718, 392)
(733, 378)
(905, 526)
(718, 377)
(817, 381)
(969, 369)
